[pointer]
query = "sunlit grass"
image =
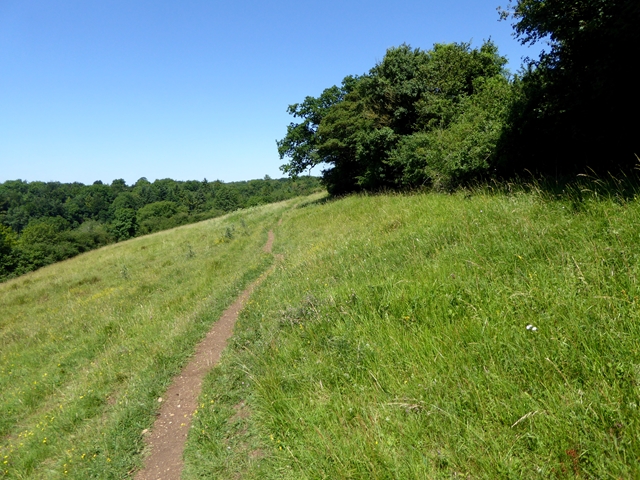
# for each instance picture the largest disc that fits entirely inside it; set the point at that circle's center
(88, 345)
(481, 335)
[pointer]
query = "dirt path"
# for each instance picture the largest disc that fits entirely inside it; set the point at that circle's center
(169, 433)
(269, 245)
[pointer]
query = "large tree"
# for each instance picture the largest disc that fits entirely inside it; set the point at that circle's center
(300, 144)
(579, 101)
(363, 131)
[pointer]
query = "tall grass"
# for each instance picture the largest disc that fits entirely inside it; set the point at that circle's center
(88, 345)
(485, 334)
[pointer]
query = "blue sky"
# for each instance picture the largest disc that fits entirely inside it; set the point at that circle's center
(193, 89)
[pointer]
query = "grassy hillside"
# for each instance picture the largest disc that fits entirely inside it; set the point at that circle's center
(88, 345)
(480, 335)
(433, 336)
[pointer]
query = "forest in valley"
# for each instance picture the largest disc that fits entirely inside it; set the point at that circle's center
(451, 115)
(45, 222)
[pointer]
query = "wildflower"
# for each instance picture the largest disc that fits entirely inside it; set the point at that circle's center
(532, 328)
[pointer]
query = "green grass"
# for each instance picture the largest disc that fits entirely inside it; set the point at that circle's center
(392, 342)
(88, 345)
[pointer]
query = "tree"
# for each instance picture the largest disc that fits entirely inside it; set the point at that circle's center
(160, 216)
(578, 103)
(300, 142)
(463, 151)
(226, 198)
(40, 242)
(361, 133)
(8, 260)
(118, 186)
(125, 225)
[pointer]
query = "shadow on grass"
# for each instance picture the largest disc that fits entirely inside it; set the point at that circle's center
(318, 201)
(621, 187)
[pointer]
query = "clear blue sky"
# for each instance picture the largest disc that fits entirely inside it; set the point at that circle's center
(193, 89)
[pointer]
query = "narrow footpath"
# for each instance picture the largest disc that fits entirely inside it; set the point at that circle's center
(168, 435)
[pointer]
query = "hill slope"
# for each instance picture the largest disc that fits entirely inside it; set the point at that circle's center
(88, 345)
(434, 336)
(425, 336)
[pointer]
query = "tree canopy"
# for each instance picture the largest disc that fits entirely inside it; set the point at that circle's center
(366, 130)
(44, 222)
(451, 114)
(580, 95)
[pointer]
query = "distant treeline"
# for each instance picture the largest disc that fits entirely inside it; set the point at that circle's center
(44, 222)
(453, 114)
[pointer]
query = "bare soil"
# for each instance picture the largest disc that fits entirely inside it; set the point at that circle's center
(269, 245)
(167, 438)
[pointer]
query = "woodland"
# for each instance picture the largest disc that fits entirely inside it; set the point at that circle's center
(45, 222)
(451, 115)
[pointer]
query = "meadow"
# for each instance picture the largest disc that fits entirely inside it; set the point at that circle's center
(482, 334)
(88, 345)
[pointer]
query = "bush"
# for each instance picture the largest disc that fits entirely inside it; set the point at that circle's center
(124, 225)
(91, 234)
(446, 157)
(8, 254)
(160, 216)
